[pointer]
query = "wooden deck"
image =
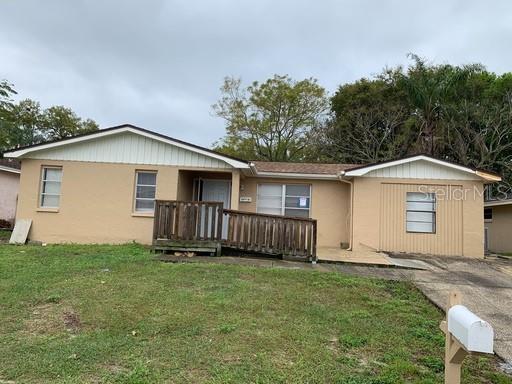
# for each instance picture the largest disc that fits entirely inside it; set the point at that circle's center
(190, 226)
(199, 226)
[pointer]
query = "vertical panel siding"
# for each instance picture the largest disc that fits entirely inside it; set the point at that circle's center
(128, 148)
(448, 238)
(421, 169)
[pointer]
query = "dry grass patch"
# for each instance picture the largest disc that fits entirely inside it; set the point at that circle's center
(50, 319)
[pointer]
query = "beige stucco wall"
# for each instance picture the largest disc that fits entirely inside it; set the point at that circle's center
(97, 206)
(9, 185)
(500, 229)
(368, 222)
(329, 206)
(96, 203)
(185, 185)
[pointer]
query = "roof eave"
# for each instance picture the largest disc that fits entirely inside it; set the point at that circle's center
(20, 153)
(293, 175)
(363, 170)
(488, 177)
(9, 169)
(497, 203)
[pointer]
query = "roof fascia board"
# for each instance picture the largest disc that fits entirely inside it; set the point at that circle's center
(287, 175)
(9, 169)
(497, 203)
(488, 176)
(364, 170)
(22, 152)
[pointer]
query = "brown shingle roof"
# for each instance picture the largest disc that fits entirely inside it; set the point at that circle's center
(306, 168)
(12, 163)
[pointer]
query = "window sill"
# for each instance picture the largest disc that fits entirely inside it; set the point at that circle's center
(139, 214)
(487, 220)
(52, 210)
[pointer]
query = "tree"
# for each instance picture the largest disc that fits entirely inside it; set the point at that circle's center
(25, 127)
(25, 123)
(272, 120)
(367, 123)
(430, 89)
(58, 122)
(457, 113)
(6, 105)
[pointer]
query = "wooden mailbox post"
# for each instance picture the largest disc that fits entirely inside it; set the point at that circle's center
(465, 334)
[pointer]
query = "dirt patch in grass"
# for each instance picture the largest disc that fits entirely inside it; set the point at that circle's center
(51, 319)
(71, 321)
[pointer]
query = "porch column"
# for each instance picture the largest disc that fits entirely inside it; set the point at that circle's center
(235, 188)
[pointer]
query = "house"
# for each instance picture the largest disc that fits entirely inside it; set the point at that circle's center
(101, 187)
(9, 184)
(498, 222)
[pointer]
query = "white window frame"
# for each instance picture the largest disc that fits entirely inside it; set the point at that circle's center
(283, 197)
(42, 186)
(433, 212)
(135, 198)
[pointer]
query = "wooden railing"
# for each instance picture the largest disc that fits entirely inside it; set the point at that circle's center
(271, 234)
(199, 224)
(187, 220)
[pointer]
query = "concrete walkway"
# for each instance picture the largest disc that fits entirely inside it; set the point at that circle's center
(333, 255)
(366, 258)
(486, 287)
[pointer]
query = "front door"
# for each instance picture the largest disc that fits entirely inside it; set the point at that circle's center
(219, 191)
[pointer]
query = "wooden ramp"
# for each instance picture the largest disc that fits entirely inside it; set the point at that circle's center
(290, 237)
(199, 226)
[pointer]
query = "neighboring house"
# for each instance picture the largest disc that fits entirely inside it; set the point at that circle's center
(100, 188)
(498, 224)
(9, 185)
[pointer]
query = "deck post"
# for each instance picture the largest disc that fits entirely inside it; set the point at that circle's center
(156, 221)
(314, 257)
(235, 189)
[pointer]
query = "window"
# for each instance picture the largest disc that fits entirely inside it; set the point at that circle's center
(145, 190)
(284, 199)
(421, 212)
(51, 179)
(488, 214)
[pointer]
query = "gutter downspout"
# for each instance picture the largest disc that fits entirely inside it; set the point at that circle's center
(252, 168)
(351, 208)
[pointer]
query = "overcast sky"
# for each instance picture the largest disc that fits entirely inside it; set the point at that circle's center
(159, 64)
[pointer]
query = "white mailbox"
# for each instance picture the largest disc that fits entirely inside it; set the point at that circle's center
(475, 334)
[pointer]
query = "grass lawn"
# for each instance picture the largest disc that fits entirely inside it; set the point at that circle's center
(5, 235)
(75, 314)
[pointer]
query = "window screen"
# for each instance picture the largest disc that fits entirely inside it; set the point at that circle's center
(51, 180)
(284, 199)
(297, 198)
(421, 212)
(145, 191)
